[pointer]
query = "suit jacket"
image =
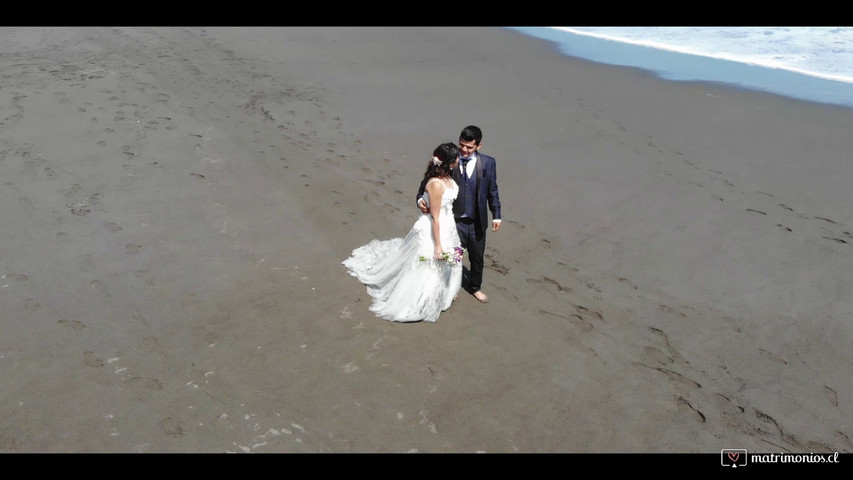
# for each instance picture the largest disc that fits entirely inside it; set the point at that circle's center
(487, 190)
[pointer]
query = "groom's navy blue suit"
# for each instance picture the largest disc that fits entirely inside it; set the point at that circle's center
(470, 209)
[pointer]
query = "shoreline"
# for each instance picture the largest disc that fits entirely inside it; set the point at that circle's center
(680, 66)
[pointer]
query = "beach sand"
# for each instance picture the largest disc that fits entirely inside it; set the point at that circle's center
(672, 275)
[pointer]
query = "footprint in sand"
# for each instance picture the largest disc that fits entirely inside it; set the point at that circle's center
(574, 319)
(768, 419)
(147, 382)
(151, 344)
(550, 281)
(112, 226)
(74, 324)
(86, 263)
(668, 309)
(583, 310)
(171, 427)
(92, 360)
(17, 277)
(31, 304)
(831, 395)
(79, 208)
(97, 284)
(144, 275)
(133, 248)
(685, 404)
(497, 267)
(211, 338)
(71, 191)
(625, 280)
(653, 355)
(137, 316)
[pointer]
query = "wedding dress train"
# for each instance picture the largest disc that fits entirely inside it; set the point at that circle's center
(406, 283)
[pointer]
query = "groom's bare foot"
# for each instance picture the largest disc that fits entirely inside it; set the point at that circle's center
(481, 296)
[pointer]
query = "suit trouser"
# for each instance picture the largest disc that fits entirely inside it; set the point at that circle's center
(473, 239)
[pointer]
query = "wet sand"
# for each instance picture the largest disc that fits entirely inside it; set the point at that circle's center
(672, 274)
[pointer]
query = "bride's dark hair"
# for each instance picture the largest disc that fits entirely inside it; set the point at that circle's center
(446, 154)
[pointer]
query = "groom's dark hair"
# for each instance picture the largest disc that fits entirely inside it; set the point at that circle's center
(472, 132)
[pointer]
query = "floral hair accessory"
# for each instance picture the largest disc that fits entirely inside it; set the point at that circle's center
(436, 161)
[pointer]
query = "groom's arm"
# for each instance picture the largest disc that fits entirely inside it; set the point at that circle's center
(419, 199)
(494, 198)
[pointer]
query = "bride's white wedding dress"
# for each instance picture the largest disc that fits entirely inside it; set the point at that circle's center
(405, 288)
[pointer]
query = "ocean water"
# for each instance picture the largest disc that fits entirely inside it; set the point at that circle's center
(807, 63)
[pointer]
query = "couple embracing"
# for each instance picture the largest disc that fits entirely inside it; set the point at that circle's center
(417, 277)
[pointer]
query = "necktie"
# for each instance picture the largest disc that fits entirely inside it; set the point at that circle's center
(465, 168)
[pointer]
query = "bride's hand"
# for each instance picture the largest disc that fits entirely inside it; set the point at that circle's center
(438, 254)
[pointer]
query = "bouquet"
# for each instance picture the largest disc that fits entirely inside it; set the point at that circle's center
(454, 255)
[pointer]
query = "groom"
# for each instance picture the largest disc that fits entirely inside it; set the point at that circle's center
(478, 190)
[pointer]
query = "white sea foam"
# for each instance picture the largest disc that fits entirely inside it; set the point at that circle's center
(825, 52)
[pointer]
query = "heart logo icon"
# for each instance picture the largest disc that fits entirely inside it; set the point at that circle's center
(733, 456)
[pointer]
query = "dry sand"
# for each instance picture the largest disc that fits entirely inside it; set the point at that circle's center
(673, 274)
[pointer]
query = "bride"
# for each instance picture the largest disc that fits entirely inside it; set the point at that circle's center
(417, 277)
